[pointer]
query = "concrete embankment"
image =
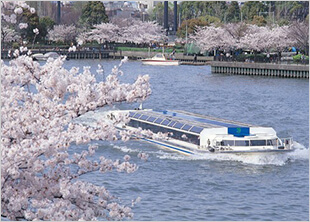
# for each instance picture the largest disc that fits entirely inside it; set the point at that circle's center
(261, 69)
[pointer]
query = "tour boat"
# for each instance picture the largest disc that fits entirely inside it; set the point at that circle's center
(160, 59)
(190, 133)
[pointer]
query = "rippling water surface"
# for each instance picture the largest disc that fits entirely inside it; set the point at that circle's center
(214, 187)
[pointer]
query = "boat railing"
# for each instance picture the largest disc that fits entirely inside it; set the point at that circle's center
(280, 143)
(287, 143)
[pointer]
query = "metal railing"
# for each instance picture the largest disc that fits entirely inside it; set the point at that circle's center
(287, 142)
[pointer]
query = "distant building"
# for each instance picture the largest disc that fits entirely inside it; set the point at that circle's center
(127, 9)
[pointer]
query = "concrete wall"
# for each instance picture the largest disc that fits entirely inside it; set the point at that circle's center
(292, 67)
(262, 69)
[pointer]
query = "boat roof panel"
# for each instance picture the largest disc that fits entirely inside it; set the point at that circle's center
(165, 122)
(144, 117)
(189, 121)
(186, 127)
(159, 120)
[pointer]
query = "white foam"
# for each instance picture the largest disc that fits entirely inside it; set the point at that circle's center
(301, 153)
(279, 159)
(126, 149)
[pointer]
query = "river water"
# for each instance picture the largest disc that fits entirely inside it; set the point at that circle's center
(214, 187)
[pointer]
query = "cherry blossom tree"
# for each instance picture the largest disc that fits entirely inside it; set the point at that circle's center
(40, 180)
(134, 31)
(143, 32)
(210, 38)
(63, 33)
(11, 16)
(299, 31)
(257, 39)
(242, 36)
(100, 33)
(265, 38)
(8, 35)
(38, 106)
(236, 31)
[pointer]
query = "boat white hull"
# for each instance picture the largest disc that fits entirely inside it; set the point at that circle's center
(190, 149)
(161, 62)
(44, 57)
(39, 57)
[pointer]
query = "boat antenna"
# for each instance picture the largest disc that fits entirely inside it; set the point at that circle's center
(140, 107)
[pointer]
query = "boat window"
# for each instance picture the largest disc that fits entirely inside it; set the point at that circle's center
(186, 127)
(165, 122)
(258, 142)
(196, 129)
(131, 114)
(137, 115)
(272, 142)
(227, 142)
(242, 143)
(158, 120)
(178, 125)
(171, 123)
(184, 136)
(144, 117)
(151, 119)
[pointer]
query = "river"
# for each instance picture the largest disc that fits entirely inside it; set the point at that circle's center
(214, 187)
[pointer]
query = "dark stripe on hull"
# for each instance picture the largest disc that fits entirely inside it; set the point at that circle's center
(186, 152)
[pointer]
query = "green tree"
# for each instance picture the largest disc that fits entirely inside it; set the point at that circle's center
(191, 26)
(233, 12)
(299, 10)
(193, 9)
(45, 24)
(157, 14)
(211, 19)
(253, 8)
(93, 13)
(259, 21)
(218, 9)
(42, 24)
(32, 19)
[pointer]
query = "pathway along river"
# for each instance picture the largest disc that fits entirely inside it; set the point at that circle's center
(215, 187)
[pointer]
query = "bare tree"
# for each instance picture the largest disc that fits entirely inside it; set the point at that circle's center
(300, 32)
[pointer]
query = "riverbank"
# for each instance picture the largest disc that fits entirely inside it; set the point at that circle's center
(236, 68)
(119, 54)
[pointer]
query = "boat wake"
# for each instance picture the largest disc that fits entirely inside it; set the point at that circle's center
(126, 149)
(301, 153)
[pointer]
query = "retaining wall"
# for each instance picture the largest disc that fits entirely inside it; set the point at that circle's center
(262, 69)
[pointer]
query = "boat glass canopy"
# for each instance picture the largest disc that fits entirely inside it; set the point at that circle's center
(165, 121)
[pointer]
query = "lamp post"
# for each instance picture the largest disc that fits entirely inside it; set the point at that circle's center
(166, 17)
(186, 37)
(58, 12)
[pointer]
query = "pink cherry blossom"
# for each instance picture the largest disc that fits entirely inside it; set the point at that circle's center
(62, 33)
(39, 106)
(18, 10)
(23, 25)
(242, 36)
